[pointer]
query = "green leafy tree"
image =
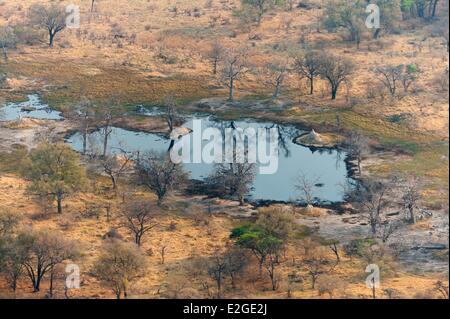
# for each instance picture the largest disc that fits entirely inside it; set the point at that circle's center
(12, 258)
(55, 171)
(264, 245)
(346, 15)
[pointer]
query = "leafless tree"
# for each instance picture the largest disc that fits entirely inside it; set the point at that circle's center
(276, 74)
(217, 269)
(234, 67)
(139, 217)
(236, 260)
(271, 262)
(115, 166)
(172, 118)
(105, 116)
(308, 66)
(234, 179)
(316, 263)
(387, 228)
(159, 174)
(43, 250)
(306, 186)
(8, 40)
(390, 76)
(336, 70)
(329, 284)
(118, 266)
(52, 18)
(411, 197)
(371, 198)
(84, 115)
(358, 146)
(214, 55)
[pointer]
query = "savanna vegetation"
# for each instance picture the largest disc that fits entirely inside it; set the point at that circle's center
(129, 222)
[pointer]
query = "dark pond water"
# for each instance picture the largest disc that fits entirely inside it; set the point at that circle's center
(327, 167)
(32, 108)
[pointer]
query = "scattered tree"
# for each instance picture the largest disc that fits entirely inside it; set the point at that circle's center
(336, 70)
(308, 66)
(261, 6)
(411, 197)
(8, 40)
(105, 116)
(306, 186)
(236, 260)
(390, 76)
(118, 265)
(8, 222)
(215, 55)
(358, 146)
(346, 15)
(12, 259)
(159, 174)
(216, 269)
(55, 170)
(84, 116)
(234, 67)
(139, 217)
(42, 251)
(316, 263)
(276, 74)
(234, 179)
(52, 18)
(116, 166)
(265, 246)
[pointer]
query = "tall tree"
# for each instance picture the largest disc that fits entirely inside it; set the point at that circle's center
(347, 15)
(8, 40)
(336, 70)
(159, 174)
(52, 18)
(234, 179)
(84, 115)
(43, 251)
(139, 217)
(105, 116)
(234, 66)
(260, 242)
(55, 170)
(308, 66)
(215, 55)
